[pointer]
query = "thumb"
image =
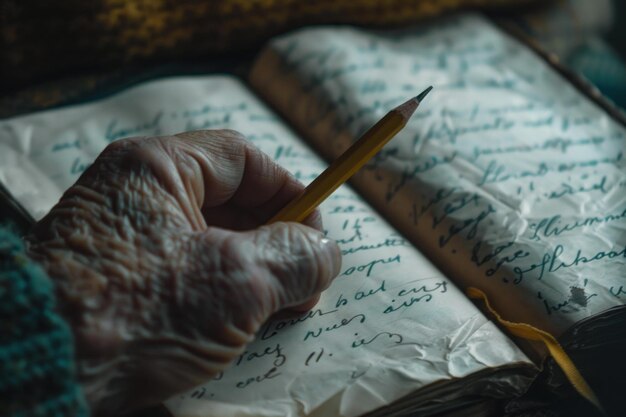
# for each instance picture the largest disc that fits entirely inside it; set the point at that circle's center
(298, 260)
(256, 273)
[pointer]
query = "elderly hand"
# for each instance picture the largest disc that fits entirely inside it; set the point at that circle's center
(155, 273)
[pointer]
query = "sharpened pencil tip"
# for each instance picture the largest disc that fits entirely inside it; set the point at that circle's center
(423, 94)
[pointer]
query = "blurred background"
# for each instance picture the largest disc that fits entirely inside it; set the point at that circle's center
(588, 37)
(56, 53)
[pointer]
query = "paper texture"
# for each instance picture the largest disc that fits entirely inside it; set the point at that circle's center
(506, 175)
(389, 324)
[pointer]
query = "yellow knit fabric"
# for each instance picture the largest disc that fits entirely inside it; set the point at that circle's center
(41, 38)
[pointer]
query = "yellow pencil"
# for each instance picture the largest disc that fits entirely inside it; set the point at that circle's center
(349, 162)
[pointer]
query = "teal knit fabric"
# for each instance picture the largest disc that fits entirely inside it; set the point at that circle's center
(37, 376)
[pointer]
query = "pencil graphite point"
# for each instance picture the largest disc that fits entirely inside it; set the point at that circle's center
(350, 161)
(423, 94)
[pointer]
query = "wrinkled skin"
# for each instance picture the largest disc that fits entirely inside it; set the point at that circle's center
(154, 270)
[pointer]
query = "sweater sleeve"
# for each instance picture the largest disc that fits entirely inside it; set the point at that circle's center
(37, 376)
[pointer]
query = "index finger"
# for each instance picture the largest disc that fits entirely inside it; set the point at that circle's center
(241, 178)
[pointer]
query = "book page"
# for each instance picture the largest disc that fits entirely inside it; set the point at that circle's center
(390, 323)
(506, 175)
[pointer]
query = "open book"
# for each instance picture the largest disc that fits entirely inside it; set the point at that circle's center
(507, 179)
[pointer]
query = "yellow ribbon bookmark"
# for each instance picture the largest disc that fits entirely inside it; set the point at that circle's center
(529, 332)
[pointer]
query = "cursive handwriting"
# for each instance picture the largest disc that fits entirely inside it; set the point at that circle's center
(396, 338)
(114, 131)
(368, 267)
(276, 351)
(556, 225)
(272, 328)
(325, 329)
(550, 262)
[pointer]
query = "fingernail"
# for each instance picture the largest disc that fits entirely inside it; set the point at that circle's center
(331, 248)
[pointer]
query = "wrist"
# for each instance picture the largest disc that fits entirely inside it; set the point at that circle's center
(37, 351)
(80, 291)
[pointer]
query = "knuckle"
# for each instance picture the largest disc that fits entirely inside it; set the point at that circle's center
(232, 135)
(293, 260)
(124, 162)
(238, 264)
(131, 151)
(224, 142)
(232, 142)
(121, 146)
(212, 135)
(245, 279)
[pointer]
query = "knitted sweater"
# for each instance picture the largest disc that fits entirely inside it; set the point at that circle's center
(37, 375)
